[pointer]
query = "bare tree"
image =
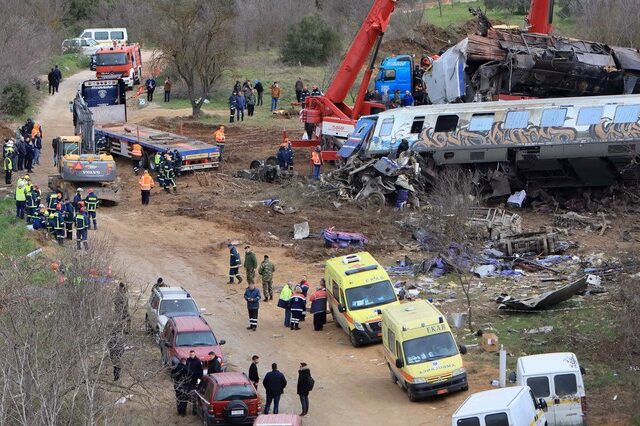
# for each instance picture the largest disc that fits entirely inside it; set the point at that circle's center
(608, 21)
(195, 37)
(451, 199)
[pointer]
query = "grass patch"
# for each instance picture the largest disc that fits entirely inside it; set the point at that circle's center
(266, 67)
(69, 63)
(14, 239)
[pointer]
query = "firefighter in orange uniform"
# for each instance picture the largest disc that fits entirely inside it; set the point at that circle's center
(136, 156)
(316, 160)
(146, 183)
(218, 135)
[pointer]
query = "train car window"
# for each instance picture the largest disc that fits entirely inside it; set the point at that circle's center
(481, 122)
(386, 127)
(627, 114)
(418, 123)
(553, 117)
(589, 116)
(517, 120)
(446, 123)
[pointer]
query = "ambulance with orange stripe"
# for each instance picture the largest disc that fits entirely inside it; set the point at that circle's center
(357, 288)
(420, 350)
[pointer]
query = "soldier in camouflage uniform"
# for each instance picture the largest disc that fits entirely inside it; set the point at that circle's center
(266, 271)
(250, 264)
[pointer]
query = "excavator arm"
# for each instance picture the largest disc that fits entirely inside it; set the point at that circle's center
(540, 17)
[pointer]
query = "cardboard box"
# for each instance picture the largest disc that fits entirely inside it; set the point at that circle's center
(490, 342)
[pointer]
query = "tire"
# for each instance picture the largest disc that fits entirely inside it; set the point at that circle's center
(272, 161)
(375, 200)
(147, 327)
(394, 379)
(353, 340)
(411, 395)
(147, 160)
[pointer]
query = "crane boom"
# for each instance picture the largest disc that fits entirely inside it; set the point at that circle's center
(373, 26)
(540, 18)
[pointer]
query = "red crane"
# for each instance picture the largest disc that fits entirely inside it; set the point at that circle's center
(330, 112)
(540, 18)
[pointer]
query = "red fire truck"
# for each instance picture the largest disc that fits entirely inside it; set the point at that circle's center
(120, 61)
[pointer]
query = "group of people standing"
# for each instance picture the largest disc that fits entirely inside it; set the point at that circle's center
(150, 86)
(23, 152)
(244, 97)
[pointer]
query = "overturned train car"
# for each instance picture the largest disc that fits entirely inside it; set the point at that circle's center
(546, 143)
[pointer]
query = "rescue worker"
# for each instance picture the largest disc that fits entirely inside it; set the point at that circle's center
(252, 296)
(250, 264)
(53, 199)
(92, 206)
(77, 198)
(214, 365)
(28, 185)
(283, 302)
(304, 94)
(157, 159)
(169, 176)
(304, 286)
(136, 157)
(315, 91)
(81, 228)
(58, 224)
(316, 160)
(233, 106)
(318, 309)
(297, 305)
(285, 156)
(266, 271)
(146, 183)
(121, 307)
(181, 383)
(39, 220)
(177, 162)
(234, 264)
(7, 165)
(69, 218)
(32, 201)
(219, 137)
(21, 199)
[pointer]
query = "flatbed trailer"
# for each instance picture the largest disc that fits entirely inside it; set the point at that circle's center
(120, 138)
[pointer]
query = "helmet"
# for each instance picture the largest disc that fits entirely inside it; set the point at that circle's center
(318, 149)
(79, 190)
(27, 177)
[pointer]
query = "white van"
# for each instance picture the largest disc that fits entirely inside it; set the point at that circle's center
(106, 35)
(556, 378)
(514, 406)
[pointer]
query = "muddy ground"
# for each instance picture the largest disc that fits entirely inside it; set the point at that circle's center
(181, 238)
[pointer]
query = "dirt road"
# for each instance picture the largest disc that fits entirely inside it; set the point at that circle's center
(352, 385)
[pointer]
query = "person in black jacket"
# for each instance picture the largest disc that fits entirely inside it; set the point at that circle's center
(259, 89)
(57, 78)
(253, 371)
(215, 365)
(304, 387)
(274, 383)
(194, 368)
(180, 376)
(51, 80)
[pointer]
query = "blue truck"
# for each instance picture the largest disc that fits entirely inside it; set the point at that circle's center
(395, 73)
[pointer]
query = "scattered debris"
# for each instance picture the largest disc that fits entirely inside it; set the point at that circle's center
(277, 207)
(300, 230)
(489, 342)
(124, 399)
(532, 242)
(35, 252)
(339, 239)
(540, 330)
(494, 223)
(517, 199)
(545, 300)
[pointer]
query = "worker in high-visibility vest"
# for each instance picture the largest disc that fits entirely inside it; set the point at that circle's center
(136, 156)
(21, 199)
(92, 206)
(218, 135)
(146, 183)
(316, 161)
(82, 221)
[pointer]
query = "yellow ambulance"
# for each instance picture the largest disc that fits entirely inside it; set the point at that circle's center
(420, 350)
(357, 288)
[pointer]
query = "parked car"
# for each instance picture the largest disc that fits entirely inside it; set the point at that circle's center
(226, 398)
(278, 420)
(164, 303)
(106, 35)
(182, 334)
(86, 46)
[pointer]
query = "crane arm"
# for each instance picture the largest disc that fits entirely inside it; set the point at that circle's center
(373, 26)
(540, 18)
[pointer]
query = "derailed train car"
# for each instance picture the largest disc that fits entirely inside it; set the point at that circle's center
(546, 143)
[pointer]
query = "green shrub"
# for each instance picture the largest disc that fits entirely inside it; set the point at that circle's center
(311, 41)
(14, 99)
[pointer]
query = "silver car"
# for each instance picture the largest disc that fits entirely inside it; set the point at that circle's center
(86, 46)
(164, 303)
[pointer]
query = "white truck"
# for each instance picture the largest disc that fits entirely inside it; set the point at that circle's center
(512, 406)
(557, 379)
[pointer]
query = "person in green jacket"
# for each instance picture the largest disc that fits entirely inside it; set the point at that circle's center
(283, 302)
(266, 271)
(250, 264)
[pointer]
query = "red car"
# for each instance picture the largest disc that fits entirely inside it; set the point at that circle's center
(183, 334)
(226, 398)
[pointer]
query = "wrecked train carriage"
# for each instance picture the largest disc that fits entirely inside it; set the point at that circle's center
(548, 143)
